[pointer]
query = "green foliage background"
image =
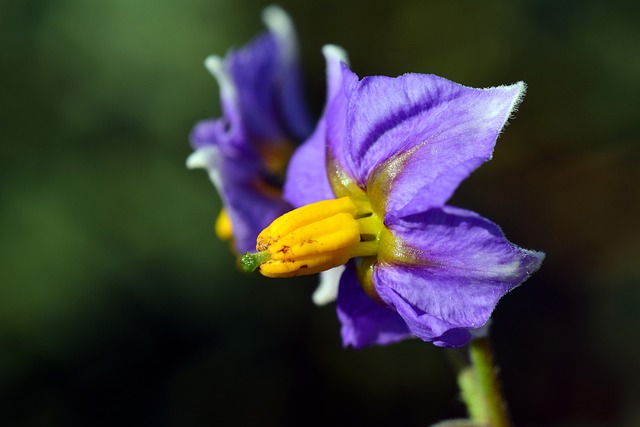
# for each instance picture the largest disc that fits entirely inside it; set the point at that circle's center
(118, 306)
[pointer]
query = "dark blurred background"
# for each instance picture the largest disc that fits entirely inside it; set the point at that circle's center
(118, 306)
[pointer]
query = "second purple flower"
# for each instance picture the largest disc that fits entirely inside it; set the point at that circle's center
(265, 117)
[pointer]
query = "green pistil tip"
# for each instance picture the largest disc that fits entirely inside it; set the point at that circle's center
(252, 260)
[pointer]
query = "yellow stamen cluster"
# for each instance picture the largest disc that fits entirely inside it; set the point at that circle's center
(315, 238)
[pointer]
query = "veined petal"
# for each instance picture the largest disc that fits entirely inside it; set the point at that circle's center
(449, 129)
(425, 326)
(465, 266)
(307, 180)
(364, 321)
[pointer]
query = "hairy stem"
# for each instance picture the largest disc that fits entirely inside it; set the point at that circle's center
(480, 388)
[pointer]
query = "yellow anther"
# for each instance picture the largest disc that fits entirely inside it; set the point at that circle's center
(223, 227)
(315, 238)
(302, 216)
(304, 265)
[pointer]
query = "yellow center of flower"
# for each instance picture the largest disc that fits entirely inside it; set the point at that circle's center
(315, 238)
(326, 234)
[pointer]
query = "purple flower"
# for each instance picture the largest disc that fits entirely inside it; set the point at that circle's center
(246, 150)
(372, 183)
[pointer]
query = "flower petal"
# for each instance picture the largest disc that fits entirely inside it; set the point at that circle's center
(217, 144)
(465, 266)
(338, 136)
(449, 129)
(234, 170)
(307, 180)
(268, 82)
(250, 209)
(364, 321)
(228, 93)
(327, 290)
(296, 116)
(218, 133)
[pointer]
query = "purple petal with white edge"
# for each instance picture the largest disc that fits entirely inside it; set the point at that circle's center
(206, 132)
(335, 57)
(364, 321)
(450, 128)
(307, 179)
(234, 169)
(231, 122)
(218, 133)
(296, 117)
(338, 141)
(466, 266)
(268, 82)
(229, 145)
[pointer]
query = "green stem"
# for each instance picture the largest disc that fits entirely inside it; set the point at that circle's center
(480, 388)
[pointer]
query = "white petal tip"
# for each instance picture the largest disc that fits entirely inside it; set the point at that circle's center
(215, 65)
(327, 290)
(319, 298)
(208, 158)
(334, 52)
(280, 25)
(277, 20)
(197, 159)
